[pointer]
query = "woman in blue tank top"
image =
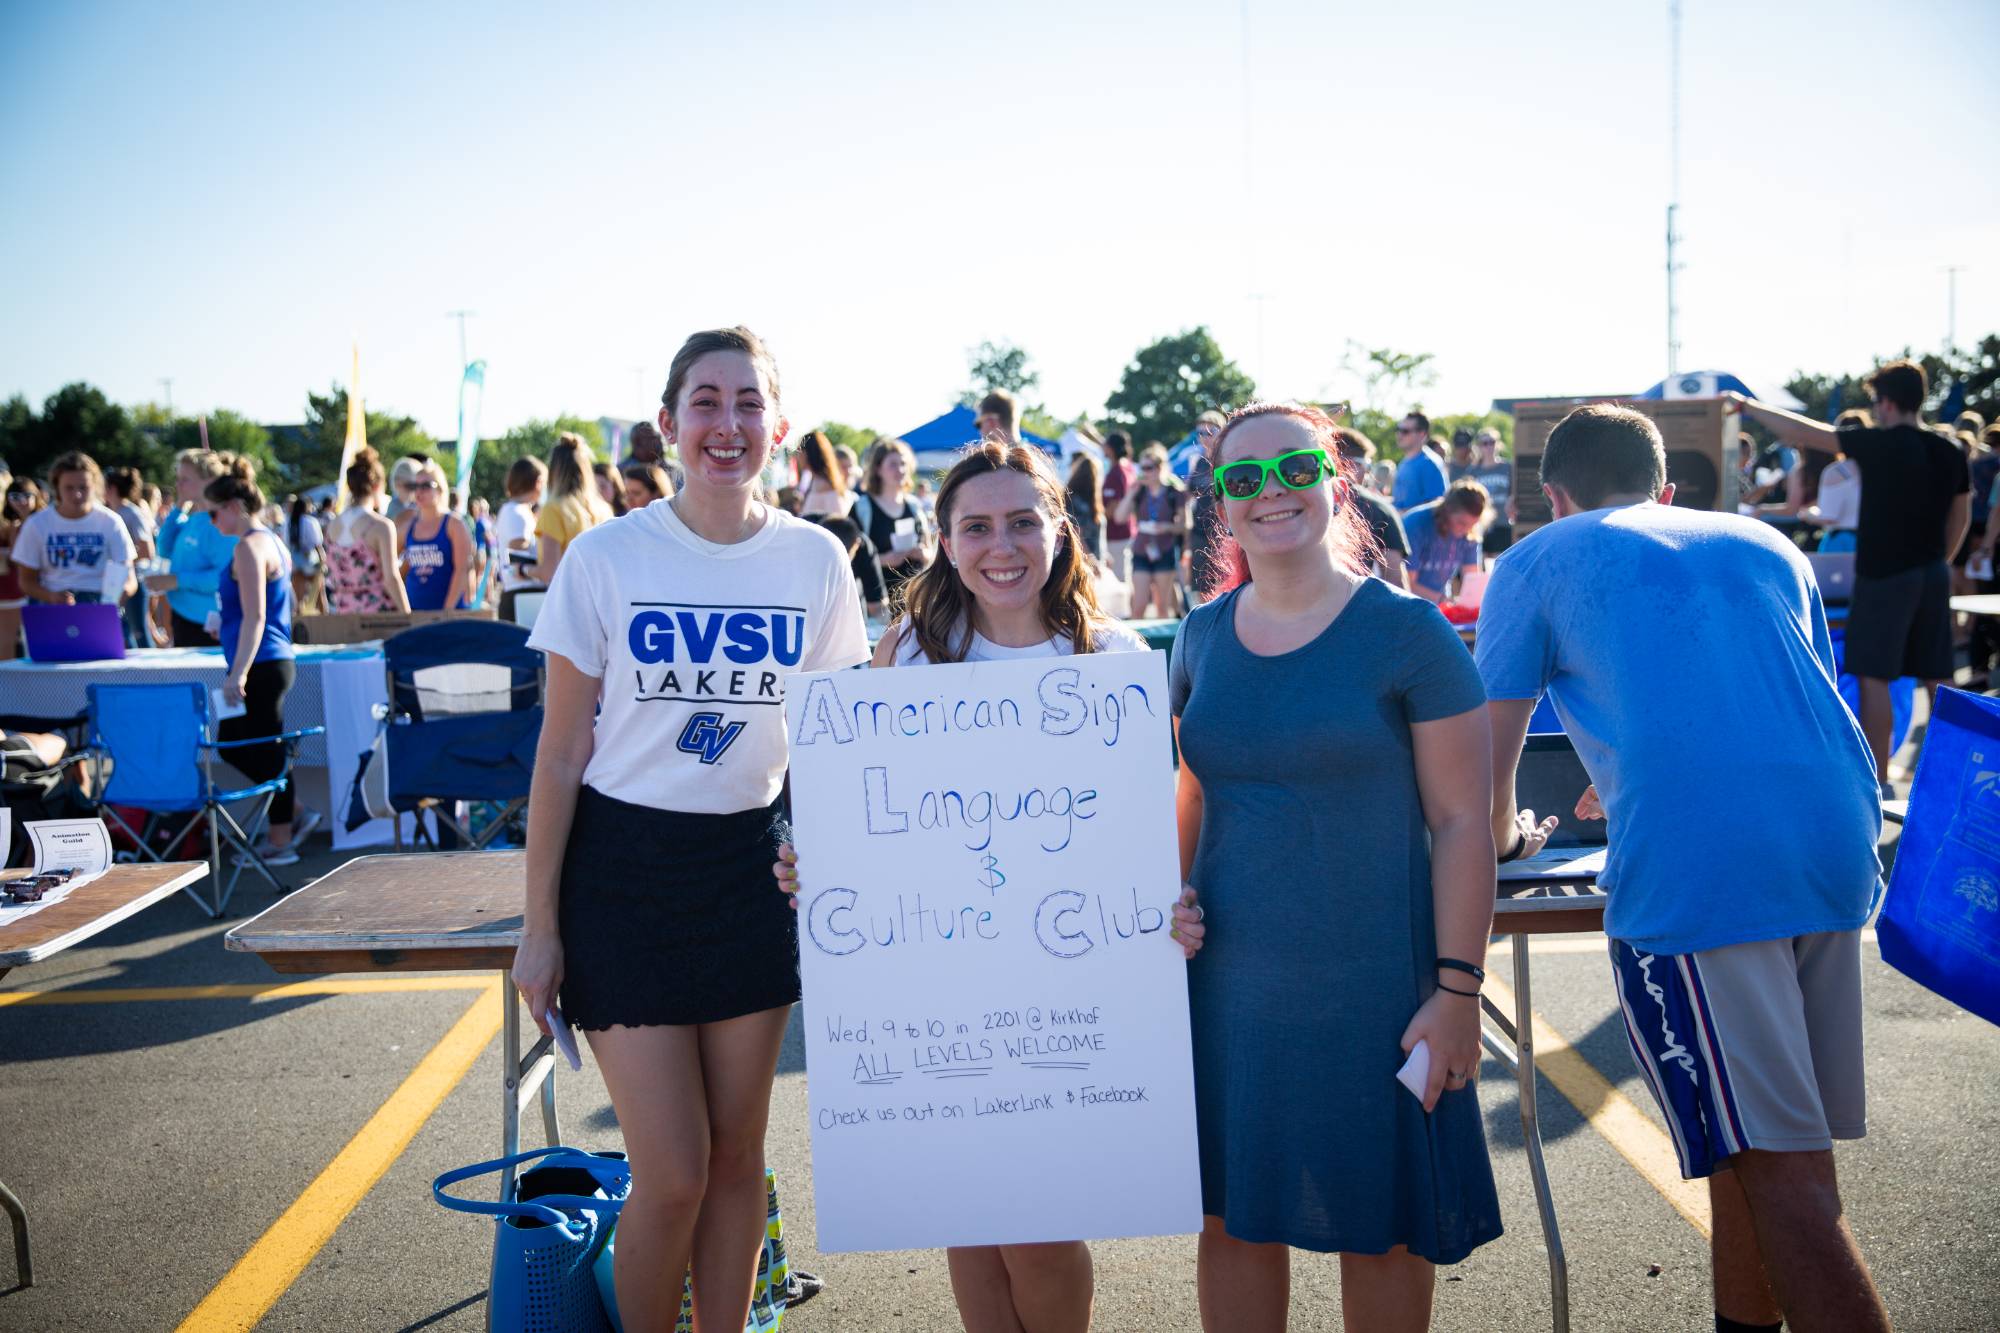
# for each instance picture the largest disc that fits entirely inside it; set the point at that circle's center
(437, 547)
(256, 633)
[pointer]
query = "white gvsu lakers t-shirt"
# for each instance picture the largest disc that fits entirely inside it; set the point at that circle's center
(693, 642)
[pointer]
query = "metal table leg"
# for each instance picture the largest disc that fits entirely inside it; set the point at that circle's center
(1531, 1135)
(521, 1078)
(18, 1215)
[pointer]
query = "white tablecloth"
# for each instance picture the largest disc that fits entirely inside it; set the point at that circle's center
(56, 689)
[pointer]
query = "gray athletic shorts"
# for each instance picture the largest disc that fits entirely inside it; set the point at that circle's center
(1901, 625)
(1749, 1046)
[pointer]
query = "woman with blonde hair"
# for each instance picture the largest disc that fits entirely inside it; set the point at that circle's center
(571, 506)
(361, 546)
(437, 546)
(894, 523)
(822, 480)
(198, 556)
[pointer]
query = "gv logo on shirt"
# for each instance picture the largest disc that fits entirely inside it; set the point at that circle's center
(707, 736)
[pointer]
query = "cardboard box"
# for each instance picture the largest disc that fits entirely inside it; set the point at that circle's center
(1700, 435)
(373, 625)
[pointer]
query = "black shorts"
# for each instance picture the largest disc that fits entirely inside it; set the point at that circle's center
(670, 918)
(1901, 625)
(1164, 563)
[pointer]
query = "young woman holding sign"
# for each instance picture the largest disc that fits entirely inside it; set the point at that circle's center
(1334, 768)
(650, 829)
(1013, 584)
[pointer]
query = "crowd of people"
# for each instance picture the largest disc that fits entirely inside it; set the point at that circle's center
(1304, 570)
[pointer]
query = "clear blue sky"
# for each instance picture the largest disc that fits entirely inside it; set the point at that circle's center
(229, 194)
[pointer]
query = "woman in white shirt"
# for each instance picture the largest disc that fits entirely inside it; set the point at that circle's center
(655, 815)
(75, 551)
(1838, 508)
(1014, 583)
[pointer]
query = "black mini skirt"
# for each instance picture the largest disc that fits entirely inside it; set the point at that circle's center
(670, 918)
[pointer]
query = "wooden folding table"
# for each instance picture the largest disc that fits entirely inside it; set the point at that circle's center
(104, 902)
(434, 912)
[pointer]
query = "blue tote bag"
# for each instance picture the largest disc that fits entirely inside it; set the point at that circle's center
(551, 1240)
(1940, 924)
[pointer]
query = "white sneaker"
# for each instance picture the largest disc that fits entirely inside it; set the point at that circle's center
(288, 855)
(307, 820)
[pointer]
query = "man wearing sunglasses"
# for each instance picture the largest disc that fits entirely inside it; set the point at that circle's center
(1688, 657)
(1420, 477)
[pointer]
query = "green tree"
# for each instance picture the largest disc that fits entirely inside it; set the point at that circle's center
(999, 365)
(857, 438)
(311, 456)
(1976, 367)
(1170, 382)
(531, 439)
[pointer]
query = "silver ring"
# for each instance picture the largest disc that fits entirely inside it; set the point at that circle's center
(1200, 913)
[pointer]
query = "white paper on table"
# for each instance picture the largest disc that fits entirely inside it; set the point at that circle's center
(82, 845)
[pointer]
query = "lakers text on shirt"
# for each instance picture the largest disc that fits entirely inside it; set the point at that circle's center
(707, 653)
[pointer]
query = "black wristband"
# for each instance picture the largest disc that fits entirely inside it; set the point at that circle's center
(1460, 965)
(1453, 990)
(1514, 848)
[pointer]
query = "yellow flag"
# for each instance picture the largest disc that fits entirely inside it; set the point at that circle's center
(357, 433)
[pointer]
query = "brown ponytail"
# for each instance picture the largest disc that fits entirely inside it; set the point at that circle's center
(238, 481)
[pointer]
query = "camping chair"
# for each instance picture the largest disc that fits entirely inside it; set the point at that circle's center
(154, 740)
(465, 715)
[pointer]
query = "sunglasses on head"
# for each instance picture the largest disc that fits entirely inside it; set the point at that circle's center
(1299, 469)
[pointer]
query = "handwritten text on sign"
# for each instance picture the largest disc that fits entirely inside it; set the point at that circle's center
(996, 1016)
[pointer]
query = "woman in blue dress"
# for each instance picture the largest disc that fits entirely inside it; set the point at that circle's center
(437, 546)
(1333, 808)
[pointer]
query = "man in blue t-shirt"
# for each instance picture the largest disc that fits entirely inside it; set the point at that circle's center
(1687, 655)
(1420, 476)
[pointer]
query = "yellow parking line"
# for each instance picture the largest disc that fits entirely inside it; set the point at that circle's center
(248, 1291)
(271, 990)
(1624, 1126)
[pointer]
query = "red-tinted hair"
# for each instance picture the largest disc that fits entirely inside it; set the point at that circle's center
(1347, 533)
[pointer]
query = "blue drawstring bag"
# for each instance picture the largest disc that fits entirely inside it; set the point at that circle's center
(550, 1240)
(1940, 923)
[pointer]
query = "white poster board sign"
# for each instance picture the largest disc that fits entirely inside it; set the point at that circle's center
(996, 1016)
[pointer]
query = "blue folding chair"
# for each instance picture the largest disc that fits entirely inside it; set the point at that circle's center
(154, 739)
(454, 735)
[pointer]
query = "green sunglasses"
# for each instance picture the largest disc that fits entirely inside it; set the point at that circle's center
(1298, 469)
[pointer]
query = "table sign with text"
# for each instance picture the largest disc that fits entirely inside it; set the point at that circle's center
(996, 1018)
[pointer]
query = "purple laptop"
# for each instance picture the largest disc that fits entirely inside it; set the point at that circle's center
(73, 633)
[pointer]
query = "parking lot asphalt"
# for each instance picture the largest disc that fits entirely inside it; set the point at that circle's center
(180, 1149)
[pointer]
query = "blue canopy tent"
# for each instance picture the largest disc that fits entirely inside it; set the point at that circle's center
(1713, 383)
(941, 437)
